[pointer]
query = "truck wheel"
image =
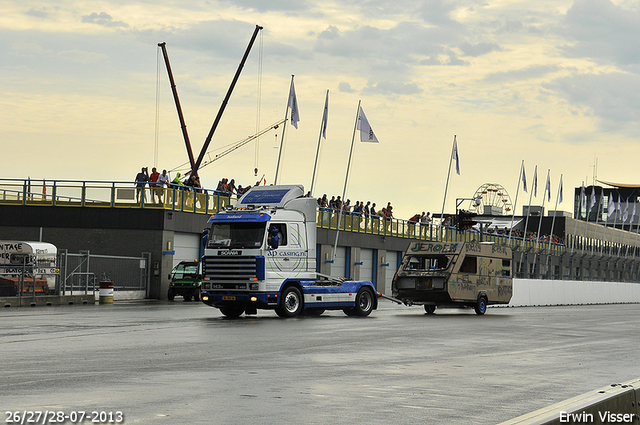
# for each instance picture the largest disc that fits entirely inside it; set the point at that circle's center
(481, 306)
(430, 309)
(170, 295)
(364, 302)
(290, 302)
(232, 311)
(196, 295)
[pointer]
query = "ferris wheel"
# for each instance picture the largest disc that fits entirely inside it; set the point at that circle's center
(494, 195)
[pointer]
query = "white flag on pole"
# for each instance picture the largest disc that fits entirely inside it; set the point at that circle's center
(560, 191)
(619, 205)
(583, 199)
(611, 206)
(366, 132)
(625, 215)
(325, 116)
(293, 104)
(455, 155)
(547, 188)
(592, 202)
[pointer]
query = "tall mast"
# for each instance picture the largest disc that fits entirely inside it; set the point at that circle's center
(183, 126)
(194, 169)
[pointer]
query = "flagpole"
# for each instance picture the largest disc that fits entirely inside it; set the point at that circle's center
(323, 126)
(534, 187)
(615, 220)
(544, 197)
(346, 178)
(553, 221)
(284, 127)
(446, 187)
(515, 203)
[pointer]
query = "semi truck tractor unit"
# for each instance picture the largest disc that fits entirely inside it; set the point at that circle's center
(472, 274)
(261, 254)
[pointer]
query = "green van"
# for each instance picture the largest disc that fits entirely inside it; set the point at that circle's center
(185, 280)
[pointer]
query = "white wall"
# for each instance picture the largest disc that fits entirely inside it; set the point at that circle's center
(531, 292)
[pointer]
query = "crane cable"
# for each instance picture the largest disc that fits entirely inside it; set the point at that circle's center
(258, 103)
(157, 124)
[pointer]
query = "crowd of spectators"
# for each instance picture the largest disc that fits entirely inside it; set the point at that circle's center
(530, 236)
(360, 208)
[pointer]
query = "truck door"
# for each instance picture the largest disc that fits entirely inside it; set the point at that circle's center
(290, 258)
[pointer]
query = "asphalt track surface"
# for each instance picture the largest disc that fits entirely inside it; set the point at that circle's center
(179, 362)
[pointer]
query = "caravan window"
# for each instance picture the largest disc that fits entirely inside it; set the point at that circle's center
(469, 265)
(432, 262)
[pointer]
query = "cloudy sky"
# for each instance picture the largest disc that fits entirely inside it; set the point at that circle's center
(84, 94)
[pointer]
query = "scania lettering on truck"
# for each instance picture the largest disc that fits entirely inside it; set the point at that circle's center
(472, 274)
(261, 254)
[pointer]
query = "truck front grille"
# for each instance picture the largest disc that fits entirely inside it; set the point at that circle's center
(235, 272)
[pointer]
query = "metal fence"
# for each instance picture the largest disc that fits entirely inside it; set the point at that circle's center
(83, 272)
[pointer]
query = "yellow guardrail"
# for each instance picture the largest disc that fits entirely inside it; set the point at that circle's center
(327, 218)
(100, 194)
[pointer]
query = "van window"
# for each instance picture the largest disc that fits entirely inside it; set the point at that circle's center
(469, 265)
(434, 262)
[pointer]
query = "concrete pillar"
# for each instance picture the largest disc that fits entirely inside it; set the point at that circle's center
(382, 272)
(355, 263)
(166, 265)
(325, 255)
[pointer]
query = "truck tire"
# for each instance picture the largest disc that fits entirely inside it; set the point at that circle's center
(290, 302)
(481, 305)
(430, 309)
(170, 295)
(364, 302)
(196, 294)
(232, 311)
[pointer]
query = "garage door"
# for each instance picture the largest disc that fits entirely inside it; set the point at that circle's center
(187, 247)
(338, 267)
(392, 260)
(366, 269)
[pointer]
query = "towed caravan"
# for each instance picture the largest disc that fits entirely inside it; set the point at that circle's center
(470, 274)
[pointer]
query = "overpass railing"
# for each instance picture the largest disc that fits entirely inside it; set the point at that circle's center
(376, 225)
(100, 194)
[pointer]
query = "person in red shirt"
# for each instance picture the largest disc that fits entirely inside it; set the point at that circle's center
(153, 178)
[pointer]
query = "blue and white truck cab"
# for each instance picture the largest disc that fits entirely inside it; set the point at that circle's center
(261, 254)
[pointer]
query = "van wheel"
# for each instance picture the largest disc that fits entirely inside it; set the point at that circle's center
(232, 311)
(430, 309)
(290, 302)
(170, 295)
(364, 302)
(481, 306)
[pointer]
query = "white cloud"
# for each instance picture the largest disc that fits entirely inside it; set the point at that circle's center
(104, 19)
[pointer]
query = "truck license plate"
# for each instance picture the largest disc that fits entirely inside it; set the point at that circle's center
(228, 298)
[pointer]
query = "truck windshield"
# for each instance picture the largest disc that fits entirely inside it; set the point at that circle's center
(236, 235)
